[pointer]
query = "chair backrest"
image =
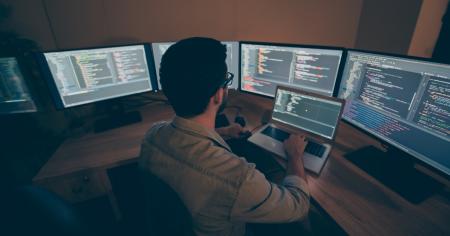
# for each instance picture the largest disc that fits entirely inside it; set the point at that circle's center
(32, 210)
(165, 212)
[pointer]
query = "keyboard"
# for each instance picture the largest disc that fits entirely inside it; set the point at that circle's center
(315, 149)
(312, 147)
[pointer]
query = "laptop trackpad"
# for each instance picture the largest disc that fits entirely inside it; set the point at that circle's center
(275, 133)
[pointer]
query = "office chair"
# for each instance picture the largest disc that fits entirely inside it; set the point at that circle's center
(165, 212)
(31, 210)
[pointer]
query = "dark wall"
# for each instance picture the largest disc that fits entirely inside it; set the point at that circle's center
(81, 23)
(387, 25)
(442, 50)
(55, 24)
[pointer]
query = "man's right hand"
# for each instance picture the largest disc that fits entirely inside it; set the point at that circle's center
(295, 146)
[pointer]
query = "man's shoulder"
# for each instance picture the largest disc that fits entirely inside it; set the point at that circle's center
(199, 153)
(155, 128)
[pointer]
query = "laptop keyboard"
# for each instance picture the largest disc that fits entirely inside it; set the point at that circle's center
(312, 147)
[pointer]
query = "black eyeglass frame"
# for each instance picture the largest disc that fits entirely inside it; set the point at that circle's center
(228, 80)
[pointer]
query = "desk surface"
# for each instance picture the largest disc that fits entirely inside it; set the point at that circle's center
(355, 200)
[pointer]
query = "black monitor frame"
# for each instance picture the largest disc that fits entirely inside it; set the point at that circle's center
(339, 71)
(386, 143)
(46, 73)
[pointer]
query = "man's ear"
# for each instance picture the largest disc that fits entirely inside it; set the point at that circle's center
(218, 96)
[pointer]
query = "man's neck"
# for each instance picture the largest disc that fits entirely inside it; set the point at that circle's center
(207, 119)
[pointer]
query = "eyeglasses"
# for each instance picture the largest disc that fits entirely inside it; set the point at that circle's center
(228, 80)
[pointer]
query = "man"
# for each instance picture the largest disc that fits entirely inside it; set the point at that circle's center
(220, 190)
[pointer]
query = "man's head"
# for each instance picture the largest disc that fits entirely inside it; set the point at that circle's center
(193, 76)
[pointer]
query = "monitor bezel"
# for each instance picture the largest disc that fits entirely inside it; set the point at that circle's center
(384, 141)
(56, 96)
(308, 46)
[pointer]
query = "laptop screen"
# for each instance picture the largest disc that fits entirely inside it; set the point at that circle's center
(307, 111)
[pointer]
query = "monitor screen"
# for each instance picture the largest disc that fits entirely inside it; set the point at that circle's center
(405, 102)
(232, 59)
(307, 111)
(14, 94)
(89, 75)
(265, 66)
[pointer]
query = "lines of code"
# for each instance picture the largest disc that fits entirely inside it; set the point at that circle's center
(91, 70)
(373, 120)
(265, 67)
(400, 132)
(12, 86)
(232, 59)
(314, 70)
(405, 102)
(316, 115)
(274, 65)
(389, 89)
(96, 74)
(434, 109)
(14, 94)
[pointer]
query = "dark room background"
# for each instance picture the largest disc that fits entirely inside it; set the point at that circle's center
(397, 26)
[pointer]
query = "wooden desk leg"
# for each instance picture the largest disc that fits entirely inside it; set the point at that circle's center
(112, 198)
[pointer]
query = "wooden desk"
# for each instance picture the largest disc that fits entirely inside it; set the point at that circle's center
(356, 201)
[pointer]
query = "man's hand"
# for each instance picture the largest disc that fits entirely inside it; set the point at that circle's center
(295, 145)
(231, 131)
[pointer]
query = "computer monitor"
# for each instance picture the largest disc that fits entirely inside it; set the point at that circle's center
(265, 65)
(158, 51)
(82, 76)
(232, 59)
(14, 94)
(404, 102)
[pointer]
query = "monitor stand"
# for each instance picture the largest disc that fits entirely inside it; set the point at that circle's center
(116, 117)
(395, 169)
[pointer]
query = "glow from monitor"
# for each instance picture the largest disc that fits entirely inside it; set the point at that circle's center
(311, 113)
(232, 59)
(405, 102)
(264, 66)
(90, 75)
(14, 94)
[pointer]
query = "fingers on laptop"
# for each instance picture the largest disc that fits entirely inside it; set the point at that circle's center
(302, 136)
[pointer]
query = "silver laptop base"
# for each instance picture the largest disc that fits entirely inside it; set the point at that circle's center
(311, 162)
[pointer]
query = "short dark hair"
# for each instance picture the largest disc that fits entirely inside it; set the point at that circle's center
(191, 71)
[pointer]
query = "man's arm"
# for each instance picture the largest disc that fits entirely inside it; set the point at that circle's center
(261, 201)
(295, 146)
(231, 131)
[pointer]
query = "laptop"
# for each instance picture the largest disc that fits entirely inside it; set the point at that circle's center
(297, 111)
